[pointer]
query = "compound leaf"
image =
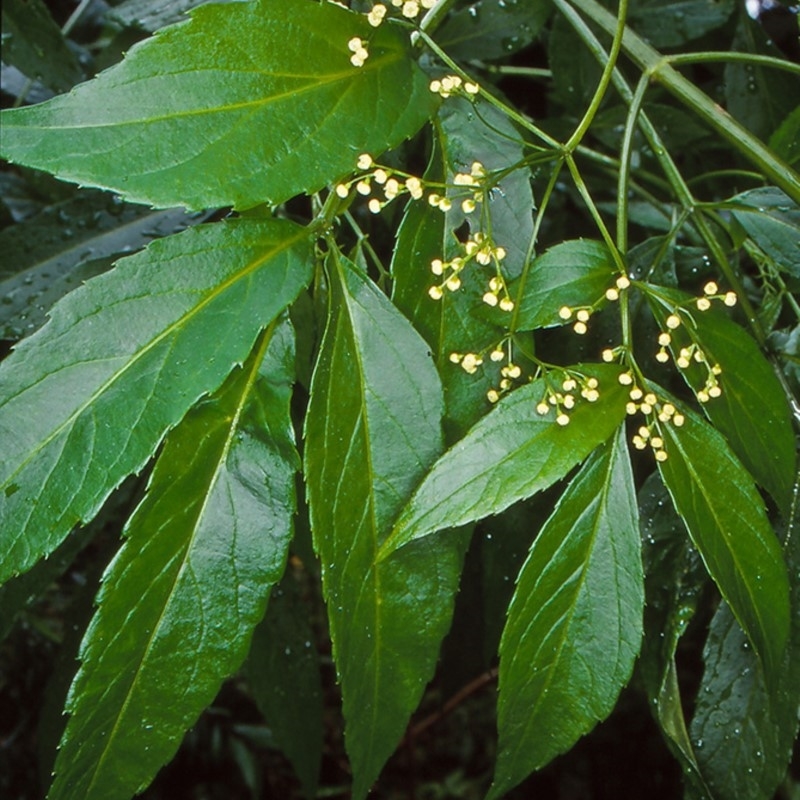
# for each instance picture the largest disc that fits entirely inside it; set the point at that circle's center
(180, 600)
(227, 109)
(726, 519)
(87, 399)
(575, 622)
(372, 429)
(510, 454)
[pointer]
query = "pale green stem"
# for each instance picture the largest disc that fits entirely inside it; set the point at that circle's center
(605, 80)
(742, 58)
(659, 68)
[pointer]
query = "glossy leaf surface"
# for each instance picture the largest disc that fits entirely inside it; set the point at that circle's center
(574, 625)
(69, 242)
(573, 274)
(225, 109)
(34, 44)
(510, 454)
(372, 430)
(182, 596)
(725, 516)
(87, 399)
(283, 671)
(773, 222)
(752, 411)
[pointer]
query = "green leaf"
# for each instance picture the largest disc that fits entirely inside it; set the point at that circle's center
(492, 29)
(150, 15)
(752, 411)
(744, 733)
(180, 600)
(69, 242)
(372, 430)
(574, 274)
(671, 23)
(283, 672)
(456, 322)
(772, 221)
(786, 139)
(718, 501)
(575, 622)
(675, 578)
(510, 454)
(755, 94)
(34, 44)
(477, 131)
(87, 398)
(228, 109)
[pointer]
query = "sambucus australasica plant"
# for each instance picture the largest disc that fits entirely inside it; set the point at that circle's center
(470, 307)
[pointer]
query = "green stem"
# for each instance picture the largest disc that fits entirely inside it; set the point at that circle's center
(745, 58)
(625, 165)
(659, 68)
(511, 113)
(605, 80)
(601, 225)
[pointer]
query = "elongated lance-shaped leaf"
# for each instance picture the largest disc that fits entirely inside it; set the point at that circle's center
(574, 624)
(373, 428)
(743, 732)
(87, 399)
(752, 411)
(512, 453)
(244, 103)
(180, 600)
(725, 516)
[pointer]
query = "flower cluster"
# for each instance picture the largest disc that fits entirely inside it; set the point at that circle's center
(656, 410)
(480, 249)
(563, 398)
(582, 314)
(384, 177)
(359, 50)
(473, 181)
(711, 292)
(454, 85)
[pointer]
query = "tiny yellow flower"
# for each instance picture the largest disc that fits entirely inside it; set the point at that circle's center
(568, 401)
(703, 396)
(410, 9)
(730, 299)
(374, 205)
(612, 294)
(582, 315)
(455, 358)
(435, 292)
(710, 288)
(471, 88)
(664, 339)
(542, 408)
(673, 321)
(375, 17)
(662, 356)
(497, 354)
(623, 282)
(678, 420)
(715, 390)
(453, 283)
(380, 175)
(365, 159)
(607, 355)
(414, 186)
(580, 328)
(703, 303)
(342, 190)
(391, 189)
(506, 304)
(437, 267)
(661, 455)
(492, 396)
(363, 187)
(657, 443)
(631, 409)
(626, 379)
(490, 298)
(562, 419)
(445, 204)
(565, 312)
(636, 393)
(513, 371)
(468, 205)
